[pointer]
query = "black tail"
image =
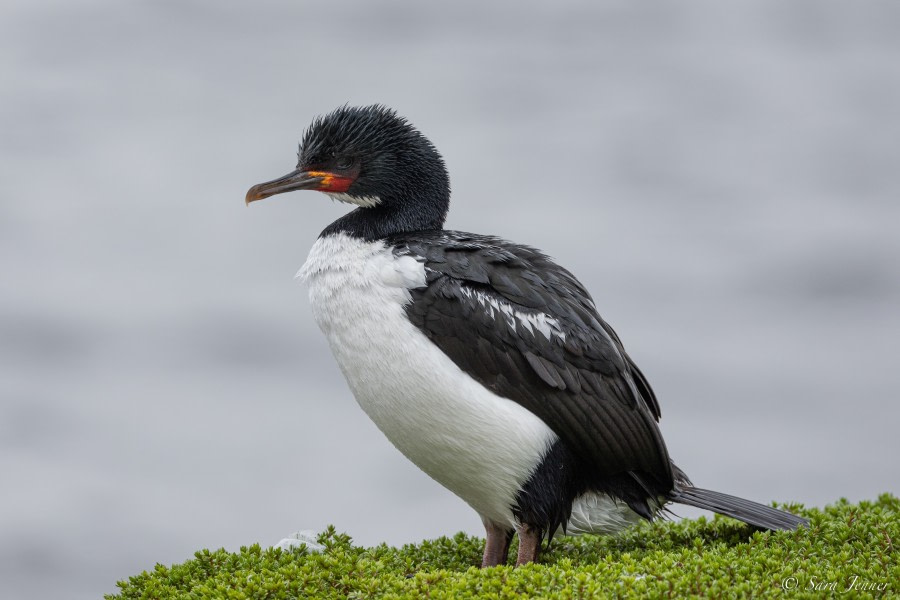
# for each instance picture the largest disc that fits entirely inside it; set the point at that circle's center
(737, 508)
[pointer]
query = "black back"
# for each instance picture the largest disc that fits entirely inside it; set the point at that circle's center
(582, 383)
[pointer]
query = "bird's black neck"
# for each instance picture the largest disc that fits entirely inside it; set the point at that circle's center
(392, 216)
(412, 187)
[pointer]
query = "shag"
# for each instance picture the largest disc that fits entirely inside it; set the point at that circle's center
(483, 361)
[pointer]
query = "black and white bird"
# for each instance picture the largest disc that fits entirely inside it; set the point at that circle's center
(481, 360)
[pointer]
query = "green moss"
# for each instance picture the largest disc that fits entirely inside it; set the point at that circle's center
(706, 557)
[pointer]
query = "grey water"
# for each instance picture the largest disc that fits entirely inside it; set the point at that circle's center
(723, 177)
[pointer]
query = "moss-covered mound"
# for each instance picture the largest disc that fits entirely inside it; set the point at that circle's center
(847, 546)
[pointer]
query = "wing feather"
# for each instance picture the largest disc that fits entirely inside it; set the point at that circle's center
(528, 330)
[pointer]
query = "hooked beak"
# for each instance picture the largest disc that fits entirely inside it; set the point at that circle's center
(295, 180)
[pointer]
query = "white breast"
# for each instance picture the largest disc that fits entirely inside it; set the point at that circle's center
(480, 446)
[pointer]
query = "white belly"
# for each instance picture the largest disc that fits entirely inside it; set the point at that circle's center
(480, 446)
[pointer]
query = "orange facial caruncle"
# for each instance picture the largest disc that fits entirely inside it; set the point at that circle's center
(331, 182)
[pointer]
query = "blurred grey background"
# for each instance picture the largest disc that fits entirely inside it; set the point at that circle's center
(724, 177)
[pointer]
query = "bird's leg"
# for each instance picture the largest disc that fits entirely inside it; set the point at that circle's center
(496, 546)
(529, 544)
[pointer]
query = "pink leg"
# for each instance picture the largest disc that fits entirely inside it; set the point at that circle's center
(496, 547)
(529, 544)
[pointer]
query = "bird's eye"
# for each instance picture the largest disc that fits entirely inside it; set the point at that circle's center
(343, 162)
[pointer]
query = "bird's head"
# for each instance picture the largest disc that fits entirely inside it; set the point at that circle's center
(370, 157)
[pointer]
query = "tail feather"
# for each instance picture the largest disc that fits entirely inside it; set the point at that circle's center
(737, 508)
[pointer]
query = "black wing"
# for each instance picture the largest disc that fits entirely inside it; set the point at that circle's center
(525, 328)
